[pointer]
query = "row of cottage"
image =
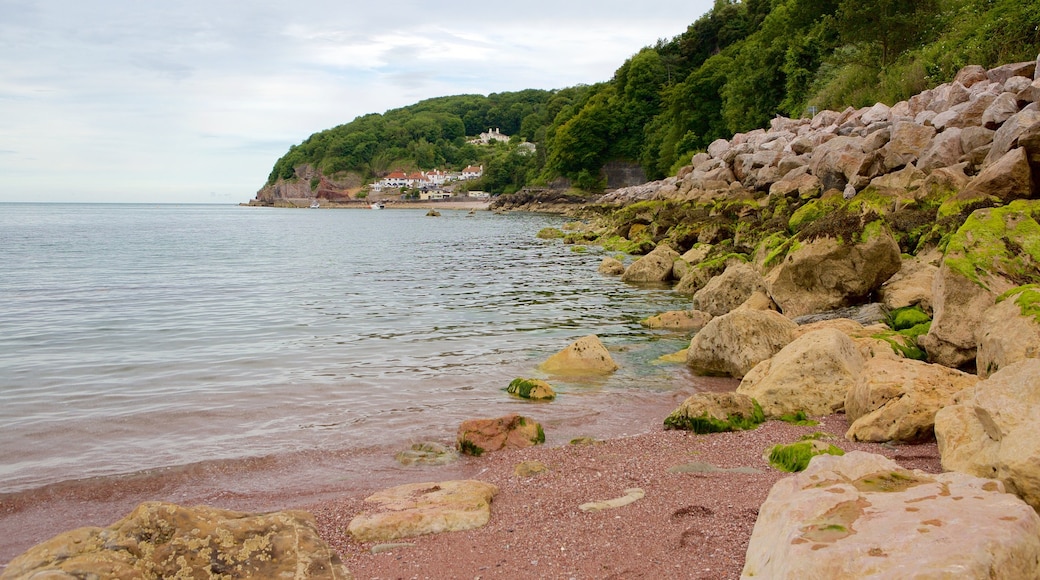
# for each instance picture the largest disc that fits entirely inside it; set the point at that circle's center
(427, 179)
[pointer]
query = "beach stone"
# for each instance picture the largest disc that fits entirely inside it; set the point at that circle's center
(825, 274)
(479, 436)
(861, 515)
(715, 412)
(417, 509)
(653, 267)
(812, 374)
(428, 453)
(631, 495)
(1008, 333)
(165, 540)
(530, 468)
(611, 267)
(696, 254)
(896, 399)
(731, 345)
(728, 290)
(681, 320)
(585, 356)
(534, 389)
(994, 430)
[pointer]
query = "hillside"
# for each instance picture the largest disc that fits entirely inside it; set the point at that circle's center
(733, 70)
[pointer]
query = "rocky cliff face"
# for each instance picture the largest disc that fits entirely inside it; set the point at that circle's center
(308, 184)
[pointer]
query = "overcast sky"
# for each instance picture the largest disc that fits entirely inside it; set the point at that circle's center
(191, 101)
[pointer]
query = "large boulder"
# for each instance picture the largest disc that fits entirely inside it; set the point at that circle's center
(728, 290)
(896, 399)
(585, 356)
(827, 273)
(863, 516)
(812, 374)
(653, 267)
(994, 430)
(912, 285)
(993, 247)
(842, 159)
(1010, 331)
(731, 345)
(907, 142)
(418, 509)
(165, 540)
(479, 436)
(1007, 178)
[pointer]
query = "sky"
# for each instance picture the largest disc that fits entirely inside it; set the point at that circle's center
(188, 101)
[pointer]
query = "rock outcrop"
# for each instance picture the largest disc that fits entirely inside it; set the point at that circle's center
(863, 516)
(728, 290)
(653, 267)
(164, 540)
(679, 320)
(1010, 331)
(418, 509)
(733, 344)
(896, 399)
(994, 430)
(812, 374)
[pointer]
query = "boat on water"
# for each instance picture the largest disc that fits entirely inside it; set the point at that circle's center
(377, 205)
(315, 204)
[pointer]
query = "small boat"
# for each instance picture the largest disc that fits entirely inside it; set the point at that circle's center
(315, 204)
(377, 205)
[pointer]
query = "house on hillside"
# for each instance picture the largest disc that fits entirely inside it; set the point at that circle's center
(472, 172)
(490, 136)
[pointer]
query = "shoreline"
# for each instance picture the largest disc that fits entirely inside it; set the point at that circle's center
(687, 521)
(389, 204)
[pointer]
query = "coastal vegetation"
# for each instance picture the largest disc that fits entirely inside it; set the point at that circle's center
(734, 69)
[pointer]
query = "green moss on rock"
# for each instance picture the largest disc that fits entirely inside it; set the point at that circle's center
(705, 423)
(795, 457)
(549, 234)
(907, 318)
(1002, 241)
(535, 389)
(1027, 298)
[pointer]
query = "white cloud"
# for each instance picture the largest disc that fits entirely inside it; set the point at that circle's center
(114, 100)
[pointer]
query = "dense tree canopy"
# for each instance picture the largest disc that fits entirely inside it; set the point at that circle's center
(732, 70)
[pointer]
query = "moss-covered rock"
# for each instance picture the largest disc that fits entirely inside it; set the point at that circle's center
(535, 389)
(716, 413)
(549, 234)
(794, 457)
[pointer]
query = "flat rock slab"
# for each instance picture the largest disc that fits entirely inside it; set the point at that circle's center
(417, 509)
(863, 516)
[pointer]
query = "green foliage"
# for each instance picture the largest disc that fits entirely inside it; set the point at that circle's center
(905, 341)
(795, 457)
(1027, 298)
(705, 423)
(467, 447)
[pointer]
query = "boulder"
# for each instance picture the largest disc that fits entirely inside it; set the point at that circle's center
(1007, 137)
(840, 160)
(680, 320)
(991, 248)
(728, 290)
(165, 540)
(861, 515)
(653, 267)
(994, 430)
(896, 399)
(715, 413)
(611, 267)
(812, 374)
(826, 273)
(416, 509)
(1002, 73)
(479, 436)
(585, 356)
(1000, 110)
(1010, 331)
(944, 151)
(970, 75)
(1008, 178)
(731, 345)
(911, 286)
(906, 144)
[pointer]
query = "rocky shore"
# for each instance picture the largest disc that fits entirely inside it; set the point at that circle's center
(869, 280)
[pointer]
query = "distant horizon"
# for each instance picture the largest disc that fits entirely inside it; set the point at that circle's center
(107, 103)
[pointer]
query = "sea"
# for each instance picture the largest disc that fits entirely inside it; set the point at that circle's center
(138, 339)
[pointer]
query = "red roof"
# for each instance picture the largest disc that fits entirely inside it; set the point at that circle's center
(397, 175)
(473, 169)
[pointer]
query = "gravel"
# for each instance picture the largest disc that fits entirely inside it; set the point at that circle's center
(690, 524)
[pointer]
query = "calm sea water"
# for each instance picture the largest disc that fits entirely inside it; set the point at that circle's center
(135, 336)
